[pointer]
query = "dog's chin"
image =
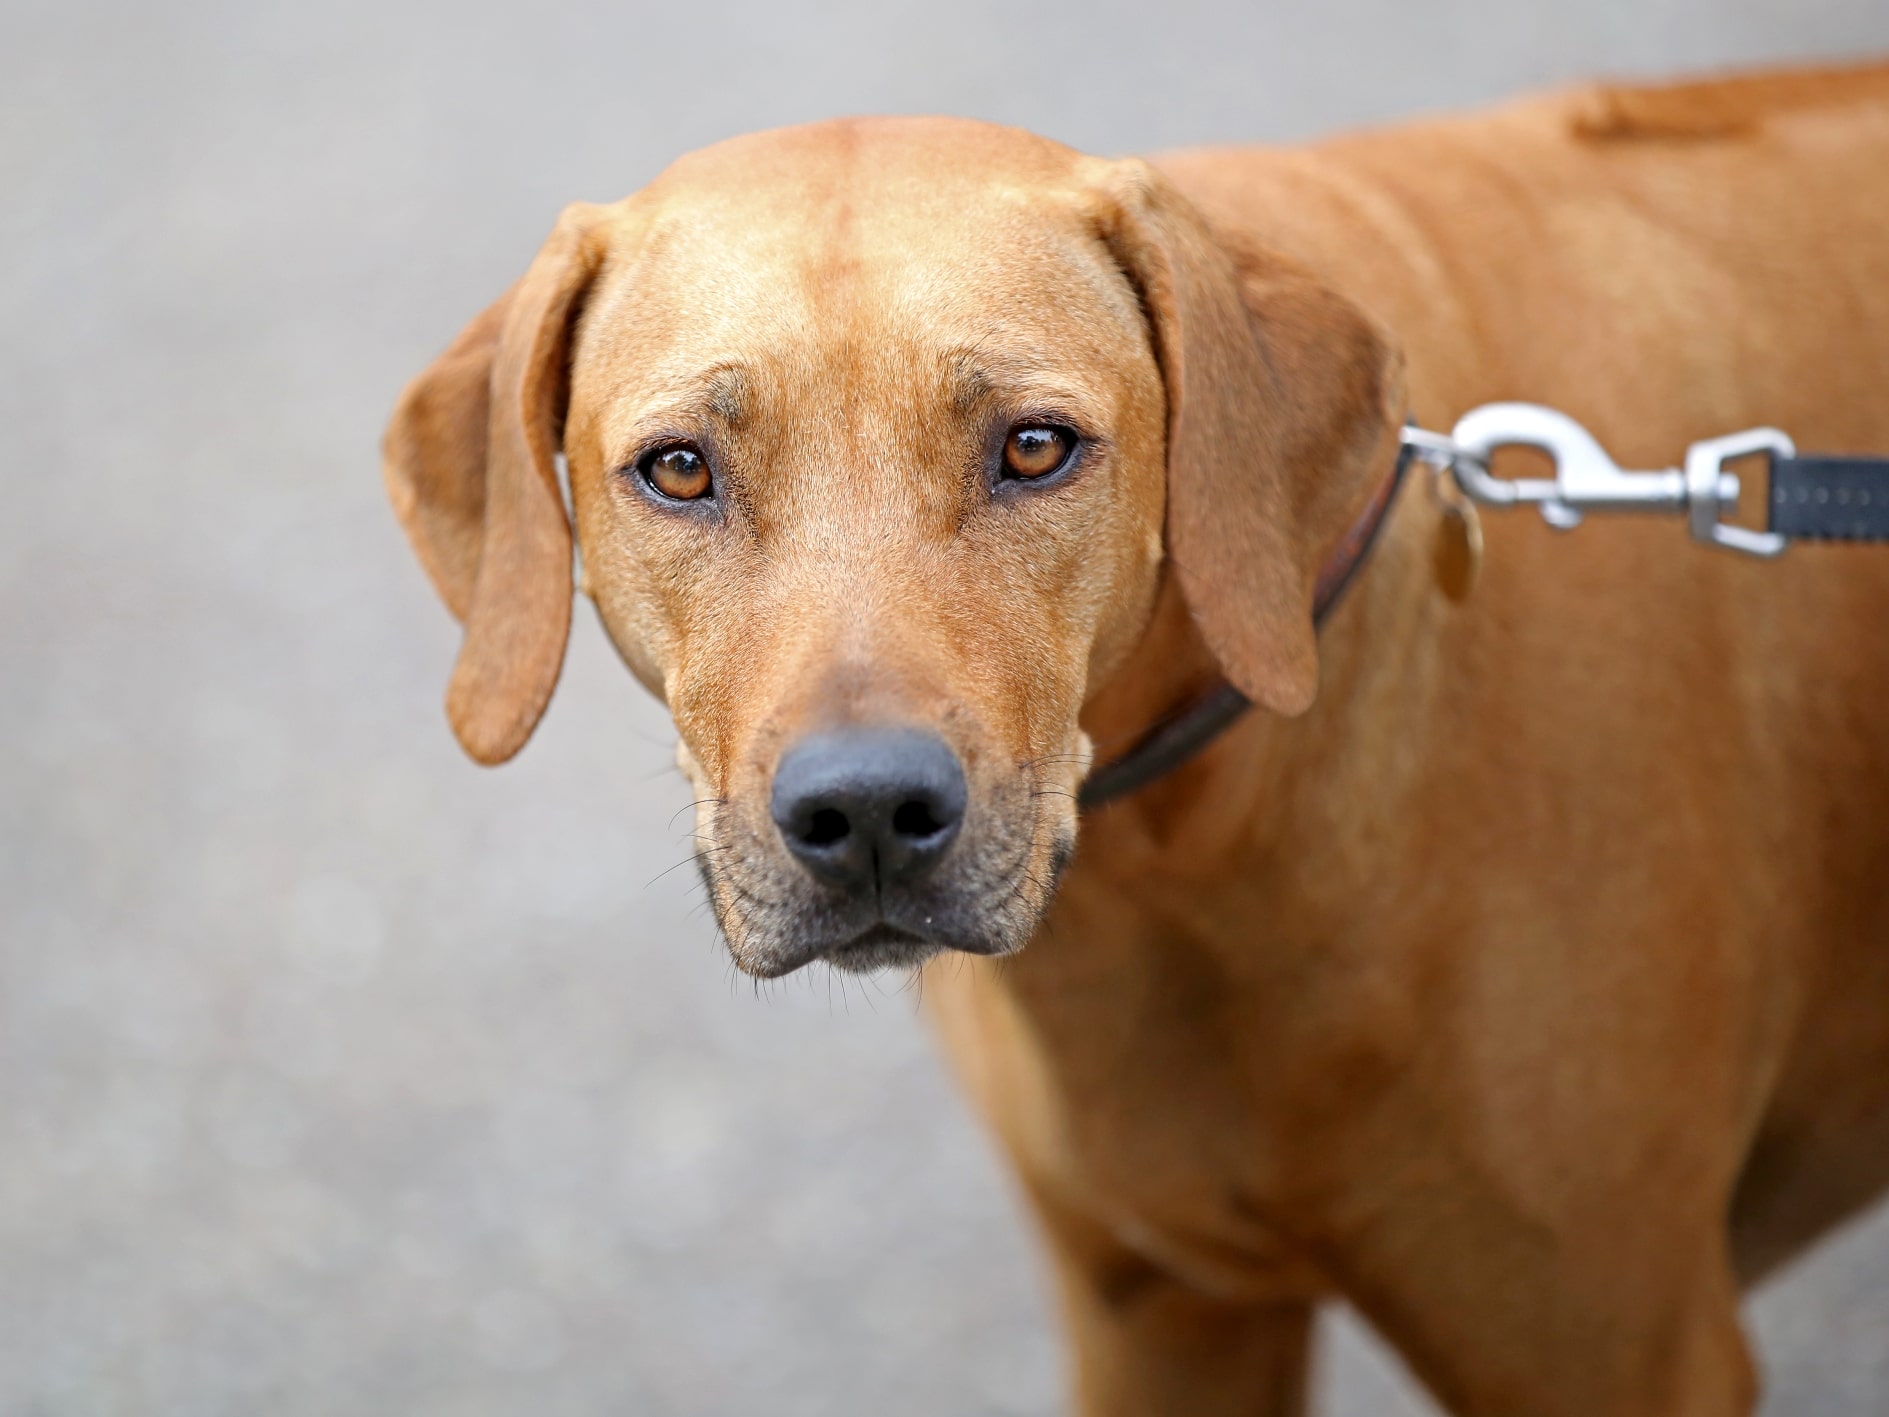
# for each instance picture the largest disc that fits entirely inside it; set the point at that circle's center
(879, 946)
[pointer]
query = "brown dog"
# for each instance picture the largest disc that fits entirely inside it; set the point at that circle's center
(1531, 987)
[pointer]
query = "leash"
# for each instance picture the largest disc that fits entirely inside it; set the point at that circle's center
(1815, 498)
(1808, 498)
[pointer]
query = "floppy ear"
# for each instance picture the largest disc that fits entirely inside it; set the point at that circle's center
(470, 462)
(1283, 409)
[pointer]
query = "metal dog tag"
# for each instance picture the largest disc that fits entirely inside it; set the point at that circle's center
(1458, 553)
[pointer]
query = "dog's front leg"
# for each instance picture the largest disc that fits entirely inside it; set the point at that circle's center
(1147, 1343)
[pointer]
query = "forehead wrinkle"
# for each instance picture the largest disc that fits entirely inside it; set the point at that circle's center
(977, 377)
(966, 385)
(725, 394)
(681, 399)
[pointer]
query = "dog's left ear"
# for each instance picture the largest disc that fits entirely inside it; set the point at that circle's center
(470, 463)
(1284, 402)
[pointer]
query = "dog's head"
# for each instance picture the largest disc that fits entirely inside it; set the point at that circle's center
(880, 434)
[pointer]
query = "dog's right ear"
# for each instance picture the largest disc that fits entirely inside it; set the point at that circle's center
(470, 463)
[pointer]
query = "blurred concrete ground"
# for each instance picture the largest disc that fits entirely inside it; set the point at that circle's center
(338, 1076)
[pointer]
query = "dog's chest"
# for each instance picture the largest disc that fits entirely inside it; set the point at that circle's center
(1194, 1184)
(1163, 1119)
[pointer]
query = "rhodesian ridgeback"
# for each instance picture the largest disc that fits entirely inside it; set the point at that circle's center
(1518, 969)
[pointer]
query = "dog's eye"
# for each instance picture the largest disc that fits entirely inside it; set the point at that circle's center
(1036, 450)
(679, 472)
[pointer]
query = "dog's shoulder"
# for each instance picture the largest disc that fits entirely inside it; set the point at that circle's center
(1731, 106)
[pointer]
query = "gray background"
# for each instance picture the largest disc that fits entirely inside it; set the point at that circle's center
(338, 1076)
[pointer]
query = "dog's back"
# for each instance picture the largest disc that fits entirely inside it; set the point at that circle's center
(1663, 261)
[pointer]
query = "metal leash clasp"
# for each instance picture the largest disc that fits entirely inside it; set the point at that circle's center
(1587, 480)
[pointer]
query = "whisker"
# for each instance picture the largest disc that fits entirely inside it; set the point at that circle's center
(694, 858)
(699, 802)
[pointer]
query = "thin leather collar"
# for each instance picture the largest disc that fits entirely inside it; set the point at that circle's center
(1176, 738)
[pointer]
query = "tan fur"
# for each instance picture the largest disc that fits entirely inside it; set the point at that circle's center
(1528, 988)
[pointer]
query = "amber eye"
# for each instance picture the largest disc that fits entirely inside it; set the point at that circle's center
(1036, 450)
(679, 472)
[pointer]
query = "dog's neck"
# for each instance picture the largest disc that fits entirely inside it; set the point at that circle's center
(1248, 790)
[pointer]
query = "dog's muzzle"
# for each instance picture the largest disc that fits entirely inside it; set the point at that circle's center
(872, 854)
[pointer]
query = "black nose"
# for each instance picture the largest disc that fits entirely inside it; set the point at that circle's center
(866, 808)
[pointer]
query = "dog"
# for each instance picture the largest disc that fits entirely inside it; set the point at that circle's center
(1518, 969)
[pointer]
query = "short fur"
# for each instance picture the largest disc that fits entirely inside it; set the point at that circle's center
(1527, 988)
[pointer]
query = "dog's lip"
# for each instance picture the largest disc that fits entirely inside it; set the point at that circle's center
(880, 932)
(880, 945)
(881, 937)
(890, 946)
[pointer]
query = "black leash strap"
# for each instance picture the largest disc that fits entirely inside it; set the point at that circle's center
(1817, 498)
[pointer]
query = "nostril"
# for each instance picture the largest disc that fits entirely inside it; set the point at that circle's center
(915, 819)
(826, 826)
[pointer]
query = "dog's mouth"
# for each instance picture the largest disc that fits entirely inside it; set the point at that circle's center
(772, 936)
(881, 946)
